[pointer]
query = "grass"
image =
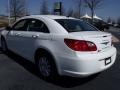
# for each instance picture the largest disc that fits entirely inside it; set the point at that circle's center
(3, 23)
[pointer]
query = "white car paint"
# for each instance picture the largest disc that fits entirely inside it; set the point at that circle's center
(68, 62)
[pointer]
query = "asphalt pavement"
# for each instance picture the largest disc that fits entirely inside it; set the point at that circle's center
(16, 73)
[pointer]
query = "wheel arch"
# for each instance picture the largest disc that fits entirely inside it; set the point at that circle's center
(2, 37)
(41, 50)
(44, 50)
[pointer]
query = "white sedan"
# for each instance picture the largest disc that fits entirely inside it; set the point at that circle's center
(60, 45)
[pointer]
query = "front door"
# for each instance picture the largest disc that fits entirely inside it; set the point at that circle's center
(15, 36)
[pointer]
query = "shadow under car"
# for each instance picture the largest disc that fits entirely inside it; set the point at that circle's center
(62, 81)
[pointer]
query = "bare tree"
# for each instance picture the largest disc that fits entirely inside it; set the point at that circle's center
(17, 8)
(70, 13)
(79, 7)
(73, 13)
(52, 12)
(44, 8)
(118, 21)
(63, 10)
(92, 5)
(109, 20)
(113, 22)
(76, 14)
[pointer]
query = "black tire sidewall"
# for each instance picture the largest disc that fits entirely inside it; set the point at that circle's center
(53, 73)
(5, 45)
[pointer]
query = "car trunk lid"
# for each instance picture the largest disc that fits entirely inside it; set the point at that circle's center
(101, 39)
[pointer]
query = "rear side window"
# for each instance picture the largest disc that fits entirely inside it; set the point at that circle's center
(20, 26)
(72, 25)
(38, 26)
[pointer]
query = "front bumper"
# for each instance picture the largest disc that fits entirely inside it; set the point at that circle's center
(84, 65)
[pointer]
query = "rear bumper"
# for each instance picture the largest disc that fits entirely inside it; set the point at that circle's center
(84, 65)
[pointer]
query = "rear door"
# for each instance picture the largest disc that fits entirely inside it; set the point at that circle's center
(36, 31)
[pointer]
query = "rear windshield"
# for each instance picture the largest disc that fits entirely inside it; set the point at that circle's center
(72, 25)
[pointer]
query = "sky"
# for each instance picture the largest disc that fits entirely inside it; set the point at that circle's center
(109, 8)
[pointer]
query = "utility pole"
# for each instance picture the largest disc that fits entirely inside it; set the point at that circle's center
(79, 6)
(9, 12)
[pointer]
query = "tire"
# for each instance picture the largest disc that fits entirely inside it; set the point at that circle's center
(46, 66)
(4, 45)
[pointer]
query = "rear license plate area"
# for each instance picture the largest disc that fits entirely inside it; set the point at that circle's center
(108, 61)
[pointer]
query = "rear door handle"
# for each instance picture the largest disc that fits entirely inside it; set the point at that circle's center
(17, 34)
(35, 36)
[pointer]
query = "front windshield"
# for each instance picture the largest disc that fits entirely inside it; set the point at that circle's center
(72, 25)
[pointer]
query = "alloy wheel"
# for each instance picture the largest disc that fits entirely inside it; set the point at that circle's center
(44, 66)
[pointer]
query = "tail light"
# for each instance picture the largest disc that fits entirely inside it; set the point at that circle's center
(80, 45)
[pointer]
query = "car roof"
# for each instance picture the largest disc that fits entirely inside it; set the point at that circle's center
(49, 16)
(49, 20)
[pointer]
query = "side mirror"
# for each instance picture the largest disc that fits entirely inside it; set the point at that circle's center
(8, 28)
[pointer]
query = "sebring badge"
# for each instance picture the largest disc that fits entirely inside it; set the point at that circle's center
(105, 43)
